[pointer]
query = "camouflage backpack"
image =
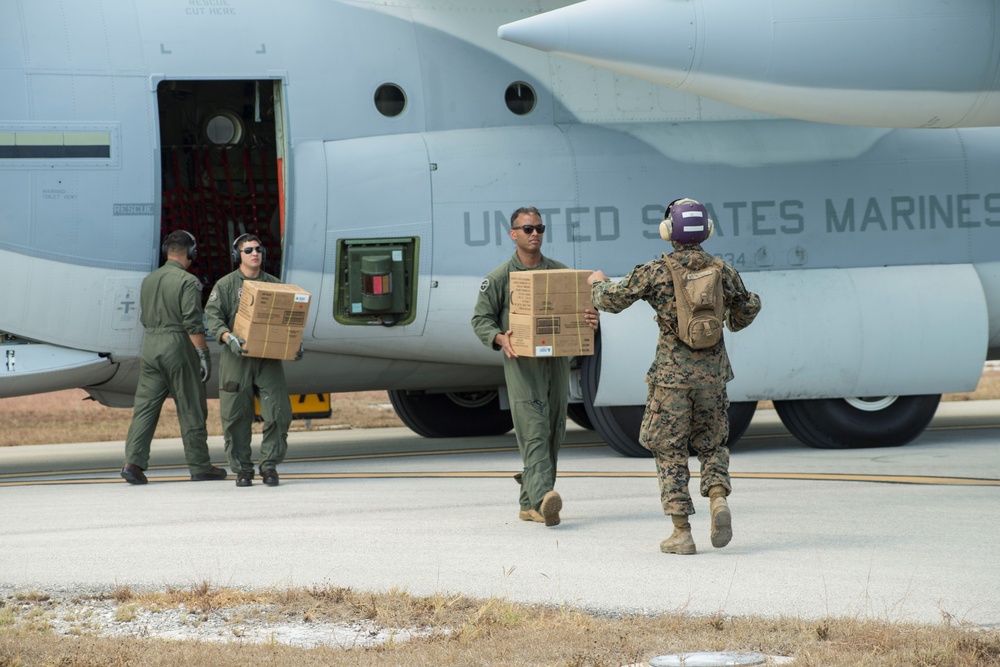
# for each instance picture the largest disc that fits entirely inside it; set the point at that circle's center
(701, 303)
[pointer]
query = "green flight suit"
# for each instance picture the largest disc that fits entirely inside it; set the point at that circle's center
(170, 302)
(240, 378)
(537, 387)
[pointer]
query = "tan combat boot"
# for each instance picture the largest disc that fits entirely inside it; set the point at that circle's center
(722, 520)
(551, 504)
(530, 515)
(681, 542)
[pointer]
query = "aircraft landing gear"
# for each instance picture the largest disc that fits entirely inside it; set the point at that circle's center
(451, 415)
(577, 412)
(848, 423)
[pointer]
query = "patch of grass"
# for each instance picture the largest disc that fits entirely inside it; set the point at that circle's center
(122, 594)
(70, 417)
(125, 613)
(465, 631)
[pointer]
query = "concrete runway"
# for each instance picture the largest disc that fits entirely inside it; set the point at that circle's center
(898, 534)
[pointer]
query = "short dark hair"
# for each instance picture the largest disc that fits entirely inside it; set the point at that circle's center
(245, 239)
(524, 209)
(178, 242)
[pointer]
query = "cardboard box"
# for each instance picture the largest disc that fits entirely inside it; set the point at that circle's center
(527, 303)
(268, 341)
(561, 335)
(549, 292)
(274, 303)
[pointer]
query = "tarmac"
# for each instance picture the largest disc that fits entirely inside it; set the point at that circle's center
(899, 534)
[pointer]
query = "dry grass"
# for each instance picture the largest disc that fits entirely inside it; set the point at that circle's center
(464, 631)
(69, 416)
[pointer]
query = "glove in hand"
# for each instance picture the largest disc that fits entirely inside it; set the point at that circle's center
(235, 344)
(206, 363)
(298, 355)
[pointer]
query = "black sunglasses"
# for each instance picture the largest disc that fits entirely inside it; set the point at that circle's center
(251, 250)
(529, 229)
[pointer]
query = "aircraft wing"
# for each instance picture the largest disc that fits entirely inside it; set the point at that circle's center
(892, 63)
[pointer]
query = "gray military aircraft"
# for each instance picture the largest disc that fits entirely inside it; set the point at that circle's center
(847, 152)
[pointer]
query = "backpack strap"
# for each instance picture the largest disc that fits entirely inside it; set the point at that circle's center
(675, 272)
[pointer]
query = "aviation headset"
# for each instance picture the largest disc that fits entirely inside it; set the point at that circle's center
(242, 238)
(693, 223)
(171, 239)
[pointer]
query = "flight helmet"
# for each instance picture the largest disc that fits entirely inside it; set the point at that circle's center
(686, 221)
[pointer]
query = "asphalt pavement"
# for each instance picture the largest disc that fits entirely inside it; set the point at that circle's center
(900, 534)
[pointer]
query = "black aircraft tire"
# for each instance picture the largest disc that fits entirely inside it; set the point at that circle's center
(457, 415)
(619, 425)
(833, 423)
(577, 412)
(740, 415)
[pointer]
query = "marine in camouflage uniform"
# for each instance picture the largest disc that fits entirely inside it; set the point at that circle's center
(687, 403)
(537, 387)
(241, 377)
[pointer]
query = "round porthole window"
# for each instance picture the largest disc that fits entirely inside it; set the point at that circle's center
(390, 100)
(224, 128)
(520, 98)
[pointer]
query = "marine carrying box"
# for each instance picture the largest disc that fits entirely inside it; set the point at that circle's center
(560, 335)
(268, 341)
(274, 303)
(548, 292)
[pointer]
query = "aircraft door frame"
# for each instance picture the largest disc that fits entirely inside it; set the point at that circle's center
(222, 168)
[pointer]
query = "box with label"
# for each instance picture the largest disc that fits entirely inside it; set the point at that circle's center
(561, 335)
(274, 303)
(549, 292)
(268, 341)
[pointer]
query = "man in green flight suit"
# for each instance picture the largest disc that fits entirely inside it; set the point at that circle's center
(240, 377)
(174, 361)
(687, 403)
(537, 388)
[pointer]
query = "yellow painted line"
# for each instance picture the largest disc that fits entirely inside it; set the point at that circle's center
(769, 436)
(304, 459)
(88, 471)
(890, 479)
(882, 479)
(385, 455)
(100, 480)
(823, 477)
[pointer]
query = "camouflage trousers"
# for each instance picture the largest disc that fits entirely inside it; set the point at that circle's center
(678, 423)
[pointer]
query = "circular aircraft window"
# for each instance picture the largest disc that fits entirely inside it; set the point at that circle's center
(224, 128)
(390, 100)
(520, 98)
